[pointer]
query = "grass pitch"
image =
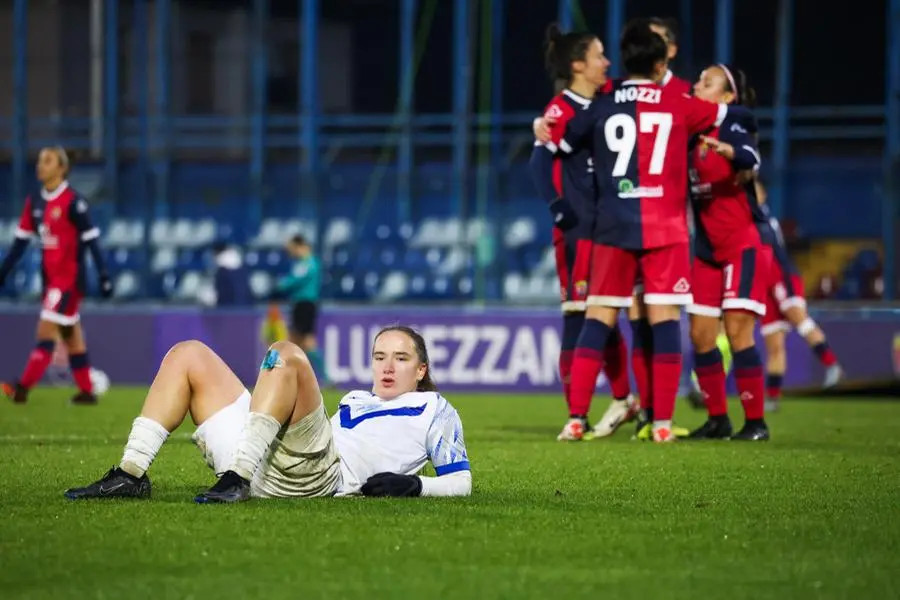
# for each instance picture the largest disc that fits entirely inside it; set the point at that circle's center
(812, 514)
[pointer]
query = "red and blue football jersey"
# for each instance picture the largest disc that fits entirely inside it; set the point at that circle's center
(639, 138)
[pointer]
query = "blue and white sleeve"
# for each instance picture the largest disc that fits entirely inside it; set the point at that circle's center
(445, 444)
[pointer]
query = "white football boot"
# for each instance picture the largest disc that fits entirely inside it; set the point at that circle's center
(833, 376)
(617, 414)
(573, 431)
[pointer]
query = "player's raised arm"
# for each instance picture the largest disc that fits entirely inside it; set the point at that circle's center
(24, 232)
(79, 214)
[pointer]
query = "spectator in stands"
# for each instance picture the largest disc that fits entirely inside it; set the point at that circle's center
(231, 281)
(302, 288)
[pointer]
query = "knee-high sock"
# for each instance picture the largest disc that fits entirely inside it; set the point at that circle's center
(587, 365)
(615, 359)
(641, 359)
(748, 374)
(666, 368)
(711, 378)
(37, 364)
(572, 324)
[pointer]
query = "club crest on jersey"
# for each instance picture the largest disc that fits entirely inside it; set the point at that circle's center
(55, 212)
(554, 112)
(581, 289)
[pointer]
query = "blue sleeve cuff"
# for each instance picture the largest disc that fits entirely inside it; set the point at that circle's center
(452, 468)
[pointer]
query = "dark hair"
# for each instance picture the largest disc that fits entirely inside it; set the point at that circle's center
(670, 25)
(736, 83)
(562, 49)
(426, 384)
(641, 48)
(299, 240)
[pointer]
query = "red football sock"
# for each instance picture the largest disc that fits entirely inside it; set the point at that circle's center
(825, 354)
(666, 368)
(748, 373)
(565, 373)
(641, 359)
(38, 361)
(774, 382)
(586, 366)
(81, 372)
(615, 357)
(711, 377)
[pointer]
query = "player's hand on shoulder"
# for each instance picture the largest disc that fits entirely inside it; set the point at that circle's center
(564, 216)
(106, 286)
(541, 127)
(392, 485)
(718, 146)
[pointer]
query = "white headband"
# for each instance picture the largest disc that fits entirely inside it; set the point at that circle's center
(737, 96)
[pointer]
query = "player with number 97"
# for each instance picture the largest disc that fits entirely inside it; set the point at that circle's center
(59, 217)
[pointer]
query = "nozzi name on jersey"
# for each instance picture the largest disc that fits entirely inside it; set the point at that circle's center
(638, 94)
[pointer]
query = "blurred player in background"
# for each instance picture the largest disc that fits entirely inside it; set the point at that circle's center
(639, 133)
(279, 443)
(731, 264)
(566, 182)
(302, 288)
(786, 308)
(59, 217)
(668, 30)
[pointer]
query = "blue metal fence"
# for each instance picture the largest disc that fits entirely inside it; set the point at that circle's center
(154, 136)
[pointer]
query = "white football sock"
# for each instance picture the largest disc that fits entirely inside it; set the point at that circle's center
(146, 438)
(662, 425)
(258, 434)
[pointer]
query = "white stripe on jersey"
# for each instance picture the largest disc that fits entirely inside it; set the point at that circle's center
(397, 436)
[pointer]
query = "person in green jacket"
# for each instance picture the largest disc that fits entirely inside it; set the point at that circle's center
(302, 287)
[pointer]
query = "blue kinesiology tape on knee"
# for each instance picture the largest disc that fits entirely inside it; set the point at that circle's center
(271, 361)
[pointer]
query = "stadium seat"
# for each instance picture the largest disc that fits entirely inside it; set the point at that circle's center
(261, 284)
(394, 286)
(124, 234)
(521, 231)
(161, 234)
(164, 259)
(127, 285)
(189, 285)
(7, 232)
(339, 231)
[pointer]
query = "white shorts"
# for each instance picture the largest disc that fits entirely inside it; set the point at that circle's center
(302, 462)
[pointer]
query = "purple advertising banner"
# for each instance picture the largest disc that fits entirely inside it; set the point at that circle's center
(489, 350)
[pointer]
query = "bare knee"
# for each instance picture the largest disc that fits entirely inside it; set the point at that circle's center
(291, 353)
(739, 327)
(188, 351)
(704, 331)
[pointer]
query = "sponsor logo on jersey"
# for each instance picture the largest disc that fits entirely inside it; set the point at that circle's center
(627, 189)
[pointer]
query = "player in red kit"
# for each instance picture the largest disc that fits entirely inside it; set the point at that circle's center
(666, 29)
(786, 308)
(642, 339)
(566, 182)
(639, 135)
(59, 217)
(731, 264)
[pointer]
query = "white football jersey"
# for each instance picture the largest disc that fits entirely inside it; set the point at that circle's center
(396, 436)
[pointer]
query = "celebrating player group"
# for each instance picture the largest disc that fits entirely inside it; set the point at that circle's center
(615, 161)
